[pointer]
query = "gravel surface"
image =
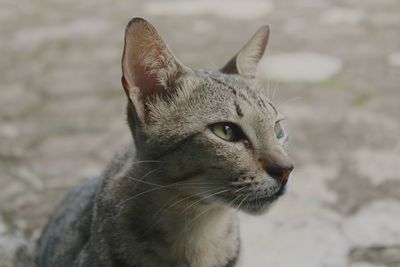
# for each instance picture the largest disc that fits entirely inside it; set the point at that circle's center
(334, 72)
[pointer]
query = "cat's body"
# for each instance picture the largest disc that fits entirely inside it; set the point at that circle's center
(205, 143)
(146, 240)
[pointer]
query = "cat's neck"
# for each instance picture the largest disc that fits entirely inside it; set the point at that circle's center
(183, 227)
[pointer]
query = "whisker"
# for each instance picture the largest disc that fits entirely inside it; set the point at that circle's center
(160, 185)
(177, 183)
(204, 198)
(257, 199)
(287, 101)
(234, 200)
(144, 176)
(212, 207)
(137, 195)
(145, 182)
(268, 87)
(173, 185)
(239, 190)
(275, 89)
(187, 197)
(196, 202)
(146, 161)
(243, 200)
(199, 215)
(174, 204)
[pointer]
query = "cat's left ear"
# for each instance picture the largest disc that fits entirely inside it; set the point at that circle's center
(245, 62)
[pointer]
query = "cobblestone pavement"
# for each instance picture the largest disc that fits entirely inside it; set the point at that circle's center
(338, 67)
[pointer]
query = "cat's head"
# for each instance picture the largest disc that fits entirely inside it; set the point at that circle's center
(216, 135)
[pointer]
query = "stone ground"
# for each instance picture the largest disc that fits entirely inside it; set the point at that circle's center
(333, 66)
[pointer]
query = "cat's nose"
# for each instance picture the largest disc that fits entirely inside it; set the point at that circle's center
(279, 172)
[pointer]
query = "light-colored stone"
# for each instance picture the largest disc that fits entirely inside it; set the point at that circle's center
(85, 28)
(202, 26)
(8, 130)
(299, 67)
(394, 59)
(312, 186)
(60, 120)
(294, 233)
(343, 16)
(366, 264)
(16, 250)
(377, 224)
(30, 177)
(3, 227)
(299, 226)
(378, 165)
(236, 9)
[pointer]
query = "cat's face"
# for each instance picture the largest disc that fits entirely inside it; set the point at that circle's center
(213, 131)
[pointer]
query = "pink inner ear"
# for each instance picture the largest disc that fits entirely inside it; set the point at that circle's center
(147, 82)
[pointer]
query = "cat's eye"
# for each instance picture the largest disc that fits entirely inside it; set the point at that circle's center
(279, 132)
(227, 131)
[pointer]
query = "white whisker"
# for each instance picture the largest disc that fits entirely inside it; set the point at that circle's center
(204, 198)
(275, 89)
(296, 98)
(243, 200)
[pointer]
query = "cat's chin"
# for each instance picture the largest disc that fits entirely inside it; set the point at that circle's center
(256, 211)
(260, 205)
(256, 208)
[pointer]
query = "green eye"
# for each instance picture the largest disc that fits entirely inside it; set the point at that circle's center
(279, 132)
(227, 131)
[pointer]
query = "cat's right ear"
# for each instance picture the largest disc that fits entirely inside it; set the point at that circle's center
(245, 62)
(148, 66)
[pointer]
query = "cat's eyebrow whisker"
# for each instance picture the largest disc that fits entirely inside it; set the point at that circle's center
(287, 101)
(275, 89)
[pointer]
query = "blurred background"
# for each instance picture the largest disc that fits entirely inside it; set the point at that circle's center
(332, 67)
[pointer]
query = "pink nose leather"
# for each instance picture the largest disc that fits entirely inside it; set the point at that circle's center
(278, 172)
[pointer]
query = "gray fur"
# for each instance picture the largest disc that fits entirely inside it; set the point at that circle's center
(169, 199)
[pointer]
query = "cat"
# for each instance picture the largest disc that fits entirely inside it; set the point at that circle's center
(206, 143)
